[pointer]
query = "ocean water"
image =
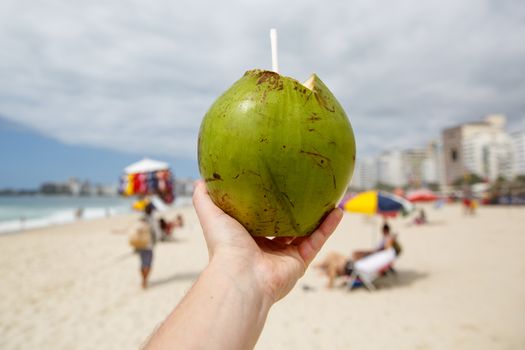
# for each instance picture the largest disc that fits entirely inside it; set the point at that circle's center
(25, 212)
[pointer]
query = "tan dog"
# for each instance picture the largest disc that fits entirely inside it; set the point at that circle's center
(333, 266)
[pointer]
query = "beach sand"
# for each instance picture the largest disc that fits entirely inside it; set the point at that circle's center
(460, 285)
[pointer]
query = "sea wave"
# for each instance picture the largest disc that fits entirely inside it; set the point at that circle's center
(59, 217)
(17, 218)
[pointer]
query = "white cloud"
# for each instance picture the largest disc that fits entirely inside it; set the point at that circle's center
(139, 76)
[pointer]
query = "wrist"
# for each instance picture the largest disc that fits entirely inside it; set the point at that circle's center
(239, 275)
(224, 308)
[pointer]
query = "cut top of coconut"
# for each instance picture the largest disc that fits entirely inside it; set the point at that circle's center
(310, 82)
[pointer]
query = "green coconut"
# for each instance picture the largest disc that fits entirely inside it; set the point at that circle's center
(276, 155)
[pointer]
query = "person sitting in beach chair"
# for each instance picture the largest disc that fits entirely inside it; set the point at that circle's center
(364, 271)
(389, 240)
(337, 265)
(368, 269)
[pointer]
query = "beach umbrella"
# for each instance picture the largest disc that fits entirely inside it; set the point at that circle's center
(148, 177)
(422, 195)
(376, 202)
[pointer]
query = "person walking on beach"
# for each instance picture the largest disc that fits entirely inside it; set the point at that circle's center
(146, 252)
(228, 305)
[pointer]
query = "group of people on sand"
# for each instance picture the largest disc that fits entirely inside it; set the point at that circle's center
(152, 228)
(469, 206)
(338, 265)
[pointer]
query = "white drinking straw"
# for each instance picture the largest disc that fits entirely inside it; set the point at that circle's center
(273, 40)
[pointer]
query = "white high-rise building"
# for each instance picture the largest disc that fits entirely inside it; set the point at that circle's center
(413, 162)
(432, 166)
(489, 155)
(365, 174)
(390, 169)
(518, 140)
(429, 169)
(482, 148)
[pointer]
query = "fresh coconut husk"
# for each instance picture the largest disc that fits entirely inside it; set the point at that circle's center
(276, 155)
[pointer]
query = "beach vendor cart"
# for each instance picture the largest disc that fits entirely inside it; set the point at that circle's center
(147, 178)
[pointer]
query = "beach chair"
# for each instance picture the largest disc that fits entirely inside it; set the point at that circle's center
(369, 268)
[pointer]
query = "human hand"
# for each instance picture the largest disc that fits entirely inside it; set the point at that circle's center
(270, 266)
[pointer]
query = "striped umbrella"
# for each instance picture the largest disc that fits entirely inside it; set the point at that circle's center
(376, 202)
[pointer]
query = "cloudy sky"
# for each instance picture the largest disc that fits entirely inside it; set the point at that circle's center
(138, 76)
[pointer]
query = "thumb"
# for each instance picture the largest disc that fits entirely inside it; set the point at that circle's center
(207, 212)
(311, 245)
(217, 226)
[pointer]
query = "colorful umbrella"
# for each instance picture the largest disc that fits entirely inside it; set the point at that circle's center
(422, 195)
(374, 202)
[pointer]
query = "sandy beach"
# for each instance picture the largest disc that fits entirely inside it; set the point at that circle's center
(460, 285)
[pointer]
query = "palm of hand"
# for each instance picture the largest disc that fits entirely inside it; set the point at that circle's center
(276, 263)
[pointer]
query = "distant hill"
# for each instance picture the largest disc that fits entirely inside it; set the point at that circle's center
(28, 158)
